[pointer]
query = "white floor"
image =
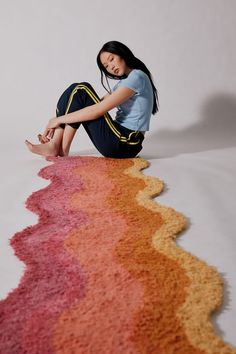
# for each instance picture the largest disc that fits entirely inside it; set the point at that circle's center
(200, 183)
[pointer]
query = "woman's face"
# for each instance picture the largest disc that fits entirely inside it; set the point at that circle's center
(114, 64)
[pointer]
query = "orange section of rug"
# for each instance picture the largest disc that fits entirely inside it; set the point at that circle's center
(132, 292)
(99, 323)
(155, 327)
(135, 289)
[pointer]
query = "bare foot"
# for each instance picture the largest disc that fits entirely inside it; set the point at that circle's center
(43, 140)
(46, 149)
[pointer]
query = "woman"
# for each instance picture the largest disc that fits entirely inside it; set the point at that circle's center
(134, 95)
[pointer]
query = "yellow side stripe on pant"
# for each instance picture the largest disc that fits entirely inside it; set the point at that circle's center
(96, 100)
(106, 116)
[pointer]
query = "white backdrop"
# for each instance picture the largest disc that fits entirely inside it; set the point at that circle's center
(189, 46)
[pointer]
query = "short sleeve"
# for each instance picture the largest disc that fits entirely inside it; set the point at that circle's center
(134, 81)
(115, 87)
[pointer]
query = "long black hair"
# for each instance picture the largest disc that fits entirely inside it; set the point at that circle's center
(131, 61)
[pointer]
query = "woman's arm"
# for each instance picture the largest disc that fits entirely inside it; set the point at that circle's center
(95, 111)
(104, 97)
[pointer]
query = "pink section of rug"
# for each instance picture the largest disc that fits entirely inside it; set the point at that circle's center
(72, 216)
(53, 279)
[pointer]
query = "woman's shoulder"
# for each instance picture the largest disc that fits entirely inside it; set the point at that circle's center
(139, 75)
(135, 80)
(139, 72)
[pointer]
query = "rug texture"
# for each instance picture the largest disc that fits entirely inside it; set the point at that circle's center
(103, 273)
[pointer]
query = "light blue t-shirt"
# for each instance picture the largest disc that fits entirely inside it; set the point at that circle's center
(135, 113)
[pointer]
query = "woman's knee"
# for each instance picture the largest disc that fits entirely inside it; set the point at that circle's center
(83, 83)
(80, 85)
(72, 86)
(86, 84)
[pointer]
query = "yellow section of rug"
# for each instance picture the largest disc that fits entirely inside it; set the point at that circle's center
(205, 289)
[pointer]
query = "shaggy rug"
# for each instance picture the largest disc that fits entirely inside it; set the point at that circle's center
(103, 272)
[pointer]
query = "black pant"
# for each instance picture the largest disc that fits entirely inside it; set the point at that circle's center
(110, 138)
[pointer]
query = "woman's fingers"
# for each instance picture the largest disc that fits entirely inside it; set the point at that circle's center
(47, 135)
(42, 139)
(50, 133)
(46, 132)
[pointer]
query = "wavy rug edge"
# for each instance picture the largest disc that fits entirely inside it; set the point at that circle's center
(206, 290)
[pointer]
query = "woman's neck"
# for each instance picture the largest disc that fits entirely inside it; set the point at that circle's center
(128, 71)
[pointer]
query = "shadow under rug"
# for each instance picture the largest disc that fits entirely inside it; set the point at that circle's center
(103, 273)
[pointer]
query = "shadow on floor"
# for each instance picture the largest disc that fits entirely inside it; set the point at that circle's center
(216, 129)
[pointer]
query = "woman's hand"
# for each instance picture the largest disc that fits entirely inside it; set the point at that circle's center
(50, 128)
(53, 123)
(46, 136)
